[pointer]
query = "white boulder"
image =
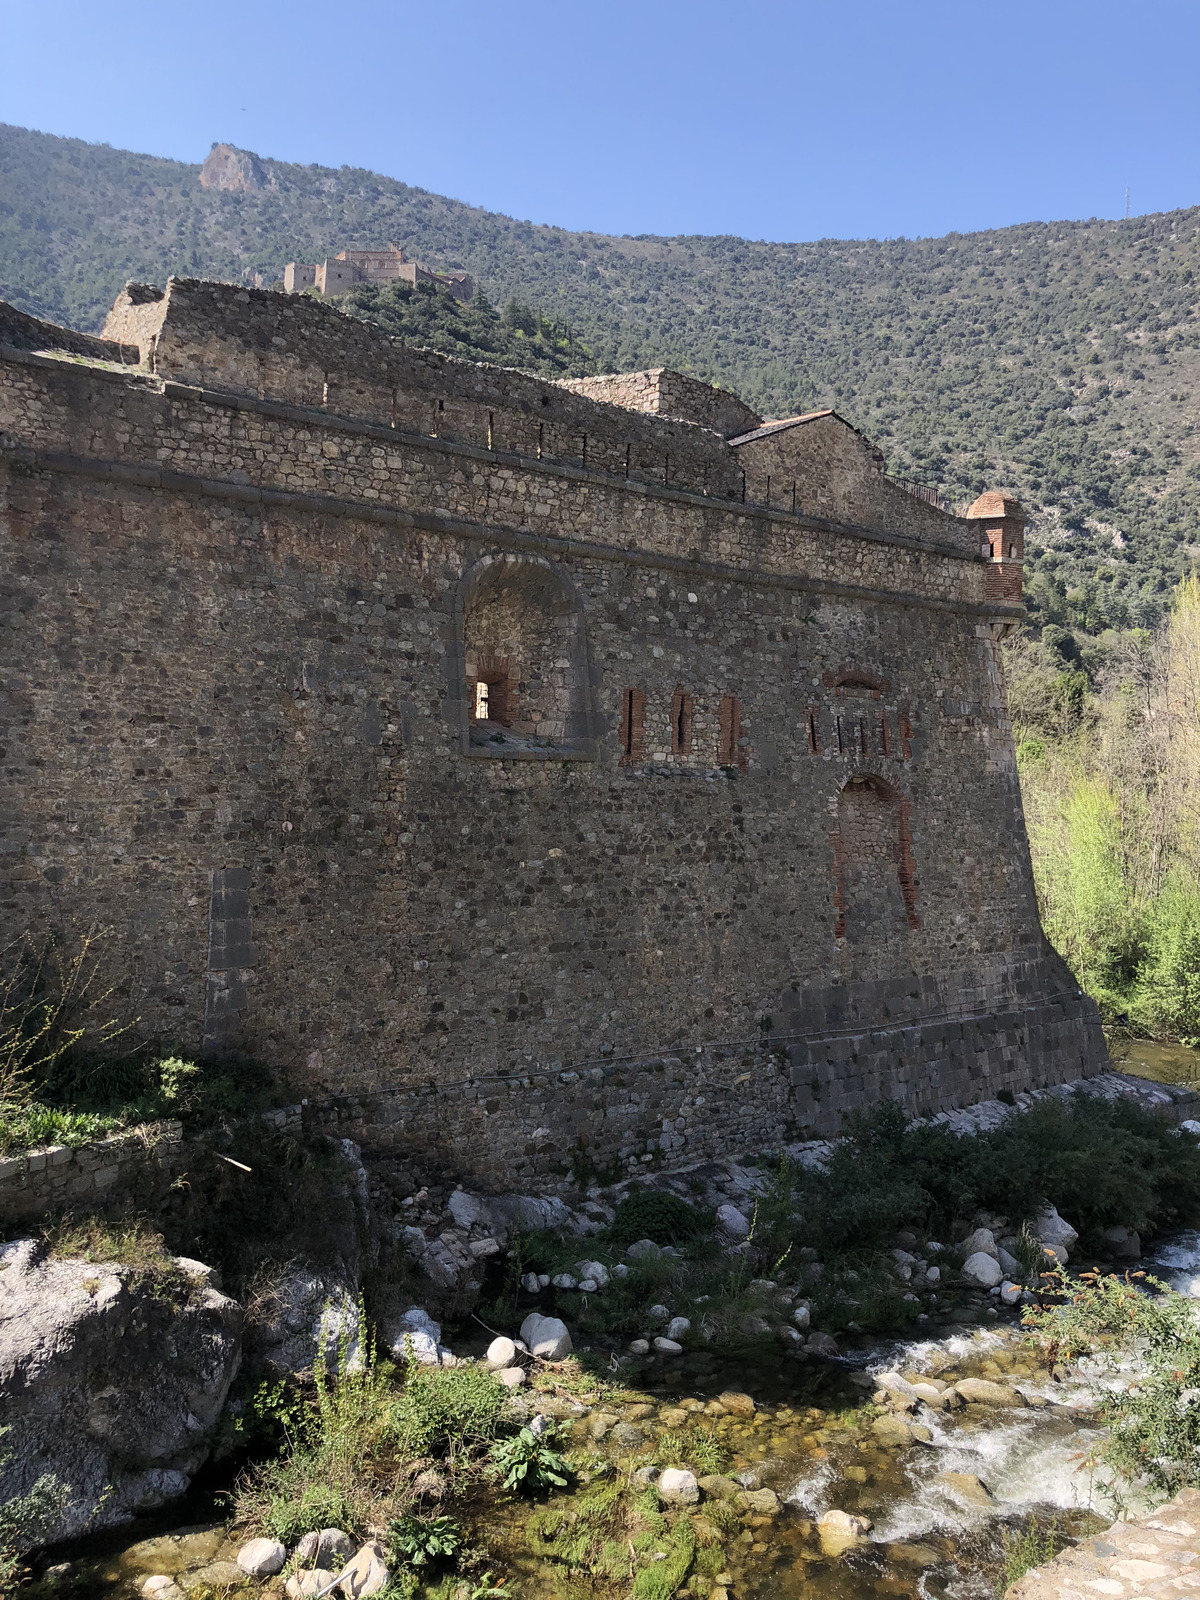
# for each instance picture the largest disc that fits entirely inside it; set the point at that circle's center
(802, 1317)
(678, 1487)
(466, 1209)
(678, 1327)
(564, 1280)
(668, 1347)
(982, 1270)
(262, 1558)
(501, 1353)
(1053, 1232)
(512, 1377)
(546, 1337)
(732, 1222)
(643, 1249)
(531, 1283)
(1010, 1293)
(366, 1574)
(983, 1239)
(595, 1270)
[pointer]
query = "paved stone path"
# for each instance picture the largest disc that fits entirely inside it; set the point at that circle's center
(1156, 1557)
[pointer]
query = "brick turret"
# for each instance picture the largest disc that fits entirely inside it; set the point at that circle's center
(1002, 528)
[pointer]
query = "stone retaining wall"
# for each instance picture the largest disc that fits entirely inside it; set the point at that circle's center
(136, 1167)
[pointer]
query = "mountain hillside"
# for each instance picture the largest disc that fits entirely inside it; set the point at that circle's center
(1061, 359)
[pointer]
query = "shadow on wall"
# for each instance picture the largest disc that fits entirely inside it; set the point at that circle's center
(525, 673)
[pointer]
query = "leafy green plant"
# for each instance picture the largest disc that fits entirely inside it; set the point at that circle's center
(423, 1541)
(528, 1461)
(26, 1520)
(485, 1589)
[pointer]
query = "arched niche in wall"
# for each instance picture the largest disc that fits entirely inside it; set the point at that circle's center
(524, 677)
(875, 887)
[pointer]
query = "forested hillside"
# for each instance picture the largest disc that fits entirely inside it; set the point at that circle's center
(1060, 359)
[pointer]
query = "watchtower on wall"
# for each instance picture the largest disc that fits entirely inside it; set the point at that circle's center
(545, 773)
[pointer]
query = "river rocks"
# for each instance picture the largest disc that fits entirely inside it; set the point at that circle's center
(1122, 1244)
(310, 1582)
(839, 1531)
(678, 1327)
(594, 1272)
(367, 1573)
(161, 1587)
(983, 1392)
(626, 1437)
(111, 1380)
(718, 1487)
(639, 1347)
(893, 1384)
(732, 1222)
(220, 1575)
(762, 1502)
(262, 1558)
(737, 1404)
(982, 1270)
(677, 1486)
(668, 1347)
(802, 1317)
(983, 1240)
(564, 1280)
(501, 1353)
(967, 1487)
(893, 1430)
(1010, 1293)
(1009, 1265)
(822, 1344)
(546, 1337)
(1059, 1236)
(512, 1377)
(643, 1250)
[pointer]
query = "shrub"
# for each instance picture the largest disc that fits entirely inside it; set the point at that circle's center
(1153, 1437)
(310, 1508)
(654, 1214)
(441, 1408)
(528, 1461)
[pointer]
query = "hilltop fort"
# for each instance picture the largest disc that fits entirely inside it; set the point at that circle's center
(543, 772)
(376, 267)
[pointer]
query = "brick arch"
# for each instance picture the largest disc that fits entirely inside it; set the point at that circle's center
(855, 680)
(521, 629)
(875, 882)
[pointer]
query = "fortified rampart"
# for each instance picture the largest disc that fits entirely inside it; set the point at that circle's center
(517, 766)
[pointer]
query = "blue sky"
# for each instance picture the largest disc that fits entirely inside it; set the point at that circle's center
(781, 120)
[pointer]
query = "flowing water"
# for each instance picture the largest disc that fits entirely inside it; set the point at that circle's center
(931, 1537)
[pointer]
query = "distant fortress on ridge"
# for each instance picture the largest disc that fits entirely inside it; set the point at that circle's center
(349, 267)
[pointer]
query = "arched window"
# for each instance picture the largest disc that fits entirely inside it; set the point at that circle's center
(525, 675)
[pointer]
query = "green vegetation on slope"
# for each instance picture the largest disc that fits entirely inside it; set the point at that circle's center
(1108, 744)
(1060, 359)
(431, 317)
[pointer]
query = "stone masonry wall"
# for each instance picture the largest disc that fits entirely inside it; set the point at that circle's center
(233, 656)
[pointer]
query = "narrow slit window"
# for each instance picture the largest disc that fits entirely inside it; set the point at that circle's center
(814, 734)
(729, 733)
(841, 744)
(681, 723)
(482, 701)
(885, 743)
(862, 737)
(633, 722)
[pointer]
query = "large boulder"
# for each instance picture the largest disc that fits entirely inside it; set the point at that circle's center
(546, 1337)
(304, 1314)
(1055, 1234)
(982, 1270)
(112, 1381)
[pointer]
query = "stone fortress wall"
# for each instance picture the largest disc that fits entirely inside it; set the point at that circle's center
(509, 763)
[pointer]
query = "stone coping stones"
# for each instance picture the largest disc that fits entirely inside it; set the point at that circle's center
(1154, 1557)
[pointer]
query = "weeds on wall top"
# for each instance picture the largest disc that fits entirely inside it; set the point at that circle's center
(71, 1067)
